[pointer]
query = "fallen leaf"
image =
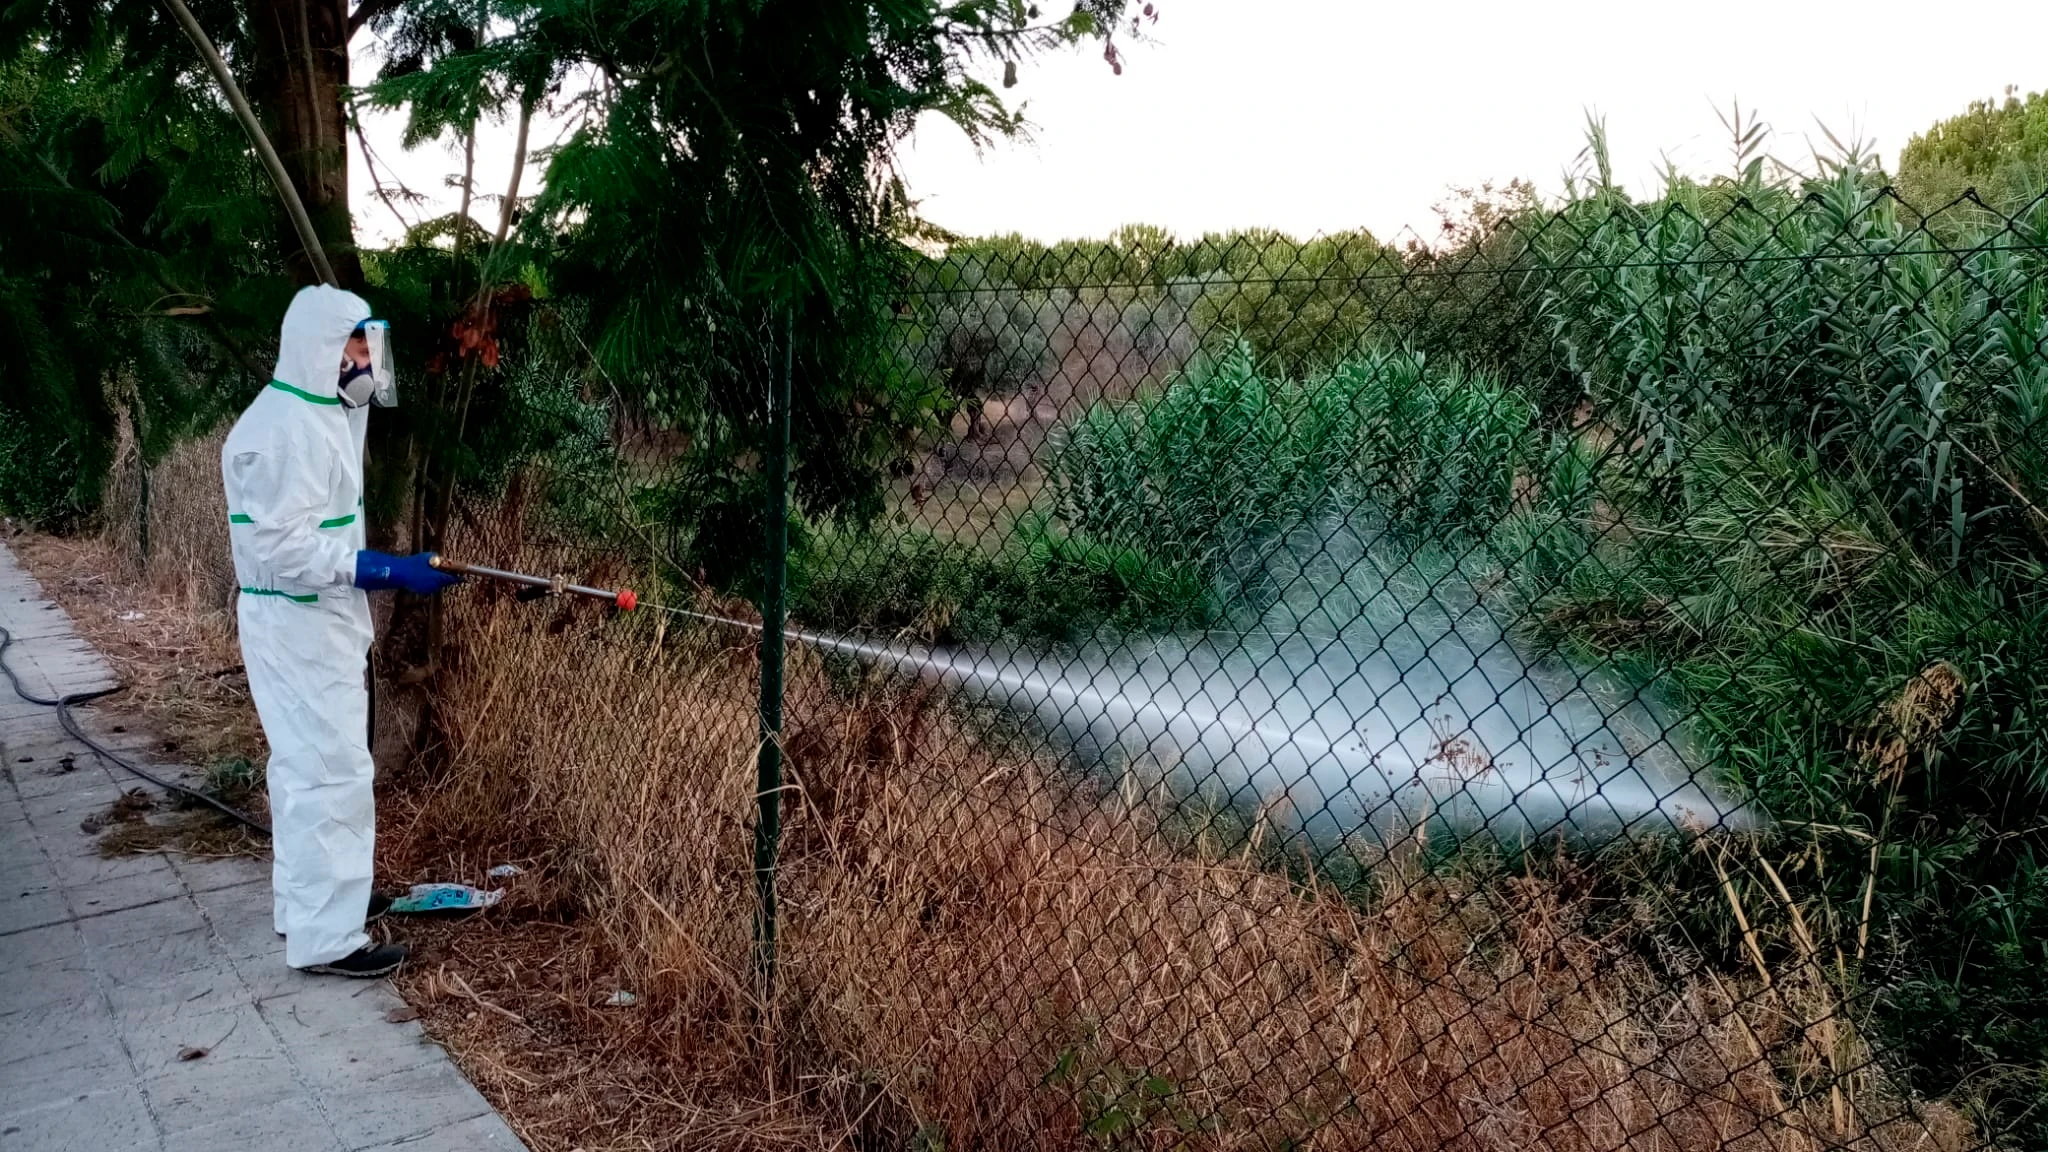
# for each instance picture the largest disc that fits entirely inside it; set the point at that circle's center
(191, 1053)
(401, 1014)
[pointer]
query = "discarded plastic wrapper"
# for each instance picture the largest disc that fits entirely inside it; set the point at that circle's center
(504, 871)
(444, 898)
(622, 999)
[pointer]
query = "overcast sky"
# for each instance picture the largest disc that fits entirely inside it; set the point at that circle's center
(1320, 115)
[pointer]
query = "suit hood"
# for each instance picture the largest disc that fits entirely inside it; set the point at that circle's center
(316, 329)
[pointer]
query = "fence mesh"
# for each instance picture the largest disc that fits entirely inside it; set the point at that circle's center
(1577, 686)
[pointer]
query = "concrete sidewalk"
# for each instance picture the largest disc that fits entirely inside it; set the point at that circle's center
(113, 973)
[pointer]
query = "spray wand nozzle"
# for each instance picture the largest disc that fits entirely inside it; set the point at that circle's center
(624, 598)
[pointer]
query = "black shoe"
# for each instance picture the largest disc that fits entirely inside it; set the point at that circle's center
(368, 961)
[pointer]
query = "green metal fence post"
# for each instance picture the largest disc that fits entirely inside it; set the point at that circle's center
(774, 585)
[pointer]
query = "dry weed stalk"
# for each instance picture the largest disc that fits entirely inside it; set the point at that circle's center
(184, 522)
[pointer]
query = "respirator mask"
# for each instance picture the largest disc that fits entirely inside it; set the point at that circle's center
(372, 383)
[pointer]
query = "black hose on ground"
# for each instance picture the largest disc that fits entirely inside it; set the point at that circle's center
(63, 705)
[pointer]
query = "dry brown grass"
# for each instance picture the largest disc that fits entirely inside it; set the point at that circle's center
(190, 832)
(186, 526)
(180, 664)
(977, 954)
(518, 997)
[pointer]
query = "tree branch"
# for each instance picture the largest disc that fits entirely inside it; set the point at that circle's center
(367, 11)
(293, 206)
(377, 181)
(518, 166)
(152, 258)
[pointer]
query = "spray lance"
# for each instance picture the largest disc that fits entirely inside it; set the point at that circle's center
(624, 598)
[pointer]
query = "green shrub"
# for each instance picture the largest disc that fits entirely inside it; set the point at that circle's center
(1226, 459)
(41, 480)
(1039, 586)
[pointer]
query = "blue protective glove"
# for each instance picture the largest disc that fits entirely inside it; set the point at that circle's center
(376, 571)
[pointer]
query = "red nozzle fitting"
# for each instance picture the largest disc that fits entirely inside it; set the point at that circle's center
(626, 600)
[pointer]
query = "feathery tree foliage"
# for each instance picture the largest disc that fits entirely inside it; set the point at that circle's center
(730, 173)
(138, 263)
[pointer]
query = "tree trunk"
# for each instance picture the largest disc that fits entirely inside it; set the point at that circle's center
(296, 80)
(296, 83)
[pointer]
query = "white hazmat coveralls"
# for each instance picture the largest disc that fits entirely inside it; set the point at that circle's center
(293, 468)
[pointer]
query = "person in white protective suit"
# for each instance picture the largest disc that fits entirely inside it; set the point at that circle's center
(293, 469)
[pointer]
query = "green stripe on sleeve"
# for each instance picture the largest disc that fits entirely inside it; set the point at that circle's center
(240, 518)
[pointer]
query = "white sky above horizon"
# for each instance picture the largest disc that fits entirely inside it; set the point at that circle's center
(1325, 115)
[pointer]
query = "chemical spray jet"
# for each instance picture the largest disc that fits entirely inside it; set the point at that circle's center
(1351, 742)
(1368, 688)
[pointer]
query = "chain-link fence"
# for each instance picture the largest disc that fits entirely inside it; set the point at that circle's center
(1577, 686)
